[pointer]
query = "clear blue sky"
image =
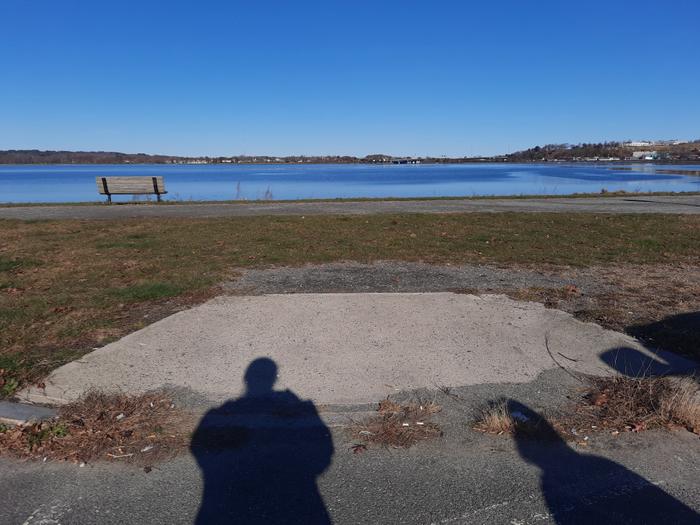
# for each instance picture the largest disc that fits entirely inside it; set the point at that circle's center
(349, 77)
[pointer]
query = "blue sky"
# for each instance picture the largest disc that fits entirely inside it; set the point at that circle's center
(347, 77)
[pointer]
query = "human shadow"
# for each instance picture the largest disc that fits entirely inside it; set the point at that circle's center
(672, 349)
(260, 456)
(678, 333)
(584, 489)
(632, 362)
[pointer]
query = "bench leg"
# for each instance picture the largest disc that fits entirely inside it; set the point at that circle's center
(109, 198)
(158, 196)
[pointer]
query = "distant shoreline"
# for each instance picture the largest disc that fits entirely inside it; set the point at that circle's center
(694, 162)
(671, 152)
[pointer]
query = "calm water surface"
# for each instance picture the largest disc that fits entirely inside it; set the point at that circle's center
(76, 183)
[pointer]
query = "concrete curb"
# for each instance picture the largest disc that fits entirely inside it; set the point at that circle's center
(20, 414)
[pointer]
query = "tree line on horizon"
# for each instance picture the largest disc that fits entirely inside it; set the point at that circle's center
(35, 156)
(605, 150)
(689, 151)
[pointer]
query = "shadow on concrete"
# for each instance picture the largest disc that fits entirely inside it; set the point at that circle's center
(631, 362)
(677, 333)
(260, 456)
(584, 489)
(651, 201)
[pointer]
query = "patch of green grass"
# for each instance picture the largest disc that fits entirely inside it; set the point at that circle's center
(11, 315)
(9, 387)
(59, 430)
(7, 265)
(10, 264)
(133, 241)
(40, 432)
(75, 329)
(145, 292)
(10, 370)
(649, 244)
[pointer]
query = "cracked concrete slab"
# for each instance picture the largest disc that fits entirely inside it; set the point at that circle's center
(346, 348)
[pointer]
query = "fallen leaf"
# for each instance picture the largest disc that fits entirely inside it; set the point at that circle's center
(638, 427)
(599, 399)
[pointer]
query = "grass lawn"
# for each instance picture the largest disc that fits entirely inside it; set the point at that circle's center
(67, 286)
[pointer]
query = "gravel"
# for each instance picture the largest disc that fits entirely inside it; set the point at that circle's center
(388, 276)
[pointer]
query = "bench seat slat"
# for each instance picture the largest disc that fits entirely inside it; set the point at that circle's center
(129, 185)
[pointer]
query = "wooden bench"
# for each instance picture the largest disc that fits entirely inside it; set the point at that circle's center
(130, 186)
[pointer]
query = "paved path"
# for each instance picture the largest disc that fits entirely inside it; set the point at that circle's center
(343, 348)
(684, 204)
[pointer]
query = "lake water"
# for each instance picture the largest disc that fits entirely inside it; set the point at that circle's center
(76, 183)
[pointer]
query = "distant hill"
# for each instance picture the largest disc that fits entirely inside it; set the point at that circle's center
(113, 157)
(663, 150)
(34, 156)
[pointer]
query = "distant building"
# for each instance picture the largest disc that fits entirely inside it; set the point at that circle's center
(645, 155)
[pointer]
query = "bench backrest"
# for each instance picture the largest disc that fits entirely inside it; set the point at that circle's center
(130, 185)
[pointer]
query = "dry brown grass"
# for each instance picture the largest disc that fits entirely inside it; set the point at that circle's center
(623, 403)
(398, 426)
(495, 418)
(646, 300)
(610, 404)
(550, 297)
(113, 427)
(498, 418)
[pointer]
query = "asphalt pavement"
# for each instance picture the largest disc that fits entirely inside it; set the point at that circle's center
(677, 204)
(463, 477)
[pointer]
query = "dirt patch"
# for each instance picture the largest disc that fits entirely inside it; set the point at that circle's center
(398, 277)
(396, 425)
(140, 429)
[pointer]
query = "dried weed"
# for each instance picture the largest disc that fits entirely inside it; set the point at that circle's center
(399, 426)
(143, 429)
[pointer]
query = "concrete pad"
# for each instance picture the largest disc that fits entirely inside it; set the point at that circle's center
(345, 348)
